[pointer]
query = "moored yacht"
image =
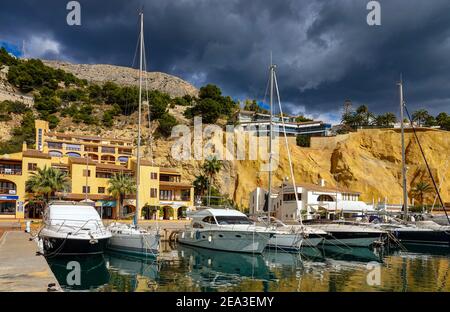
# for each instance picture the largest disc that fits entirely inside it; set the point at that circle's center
(72, 228)
(426, 233)
(131, 239)
(226, 230)
(348, 234)
(293, 237)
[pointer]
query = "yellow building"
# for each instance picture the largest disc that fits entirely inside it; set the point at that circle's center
(90, 161)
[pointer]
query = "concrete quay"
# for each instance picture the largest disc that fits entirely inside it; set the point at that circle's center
(22, 269)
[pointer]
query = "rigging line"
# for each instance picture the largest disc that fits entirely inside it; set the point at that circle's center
(127, 109)
(287, 148)
(426, 163)
(440, 185)
(150, 137)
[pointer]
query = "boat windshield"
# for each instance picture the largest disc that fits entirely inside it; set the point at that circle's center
(224, 220)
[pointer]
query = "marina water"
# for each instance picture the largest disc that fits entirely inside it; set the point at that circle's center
(331, 269)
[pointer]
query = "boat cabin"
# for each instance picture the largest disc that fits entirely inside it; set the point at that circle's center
(209, 216)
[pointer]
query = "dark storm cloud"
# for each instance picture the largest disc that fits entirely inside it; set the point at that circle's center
(325, 51)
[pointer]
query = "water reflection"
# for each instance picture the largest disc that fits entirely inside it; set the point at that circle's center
(93, 272)
(183, 268)
(212, 269)
(352, 254)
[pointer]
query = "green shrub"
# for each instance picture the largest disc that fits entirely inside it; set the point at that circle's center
(10, 107)
(24, 133)
(6, 58)
(166, 123)
(303, 140)
(33, 74)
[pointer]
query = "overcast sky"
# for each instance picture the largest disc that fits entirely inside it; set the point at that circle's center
(324, 50)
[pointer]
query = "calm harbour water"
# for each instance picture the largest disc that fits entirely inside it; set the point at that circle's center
(183, 268)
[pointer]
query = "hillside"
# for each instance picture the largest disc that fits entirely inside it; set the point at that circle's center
(101, 73)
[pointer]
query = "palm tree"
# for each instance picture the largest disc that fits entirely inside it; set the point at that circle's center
(121, 185)
(45, 182)
(385, 120)
(365, 116)
(211, 167)
(200, 184)
(420, 116)
(420, 190)
(390, 119)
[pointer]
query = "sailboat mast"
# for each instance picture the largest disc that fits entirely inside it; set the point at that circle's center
(138, 150)
(402, 127)
(269, 199)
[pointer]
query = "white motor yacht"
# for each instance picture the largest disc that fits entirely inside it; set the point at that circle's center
(349, 234)
(226, 230)
(293, 237)
(72, 228)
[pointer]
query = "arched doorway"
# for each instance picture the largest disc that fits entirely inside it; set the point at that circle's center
(167, 212)
(181, 212)
(34, 209)
(128, 211)
(325, 198)
(149, 212)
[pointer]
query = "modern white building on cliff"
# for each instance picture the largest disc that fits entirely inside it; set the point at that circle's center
(314, 201)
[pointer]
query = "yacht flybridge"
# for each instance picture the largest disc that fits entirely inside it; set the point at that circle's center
(72, 228)
(226, 230)
(130, 238)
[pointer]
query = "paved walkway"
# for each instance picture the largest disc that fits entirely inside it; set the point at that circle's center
(20, 268)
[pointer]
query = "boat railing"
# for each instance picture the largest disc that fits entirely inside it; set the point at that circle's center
(98, 227)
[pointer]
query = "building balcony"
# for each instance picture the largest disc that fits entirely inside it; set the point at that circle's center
(8, 191)
(10, 171)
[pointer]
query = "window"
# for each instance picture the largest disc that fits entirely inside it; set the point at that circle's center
(55, 145)
(223, 220)
(209, 219)
(153, 193)
(86, 190)
(86, 173)
(73, 147)
(101, 190)
(32, 167)
(8, 208)
(109, 150)
(154, 175)
(291, 197)
(185, 195)
(166, 194)
(40, 139)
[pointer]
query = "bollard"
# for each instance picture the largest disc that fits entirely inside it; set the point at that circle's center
(28, 227)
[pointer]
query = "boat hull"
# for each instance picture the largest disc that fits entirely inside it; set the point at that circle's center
(143, 244)
(425, 238)
(293, 242)
(352, 239)
(56, 246)
(234, 241)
